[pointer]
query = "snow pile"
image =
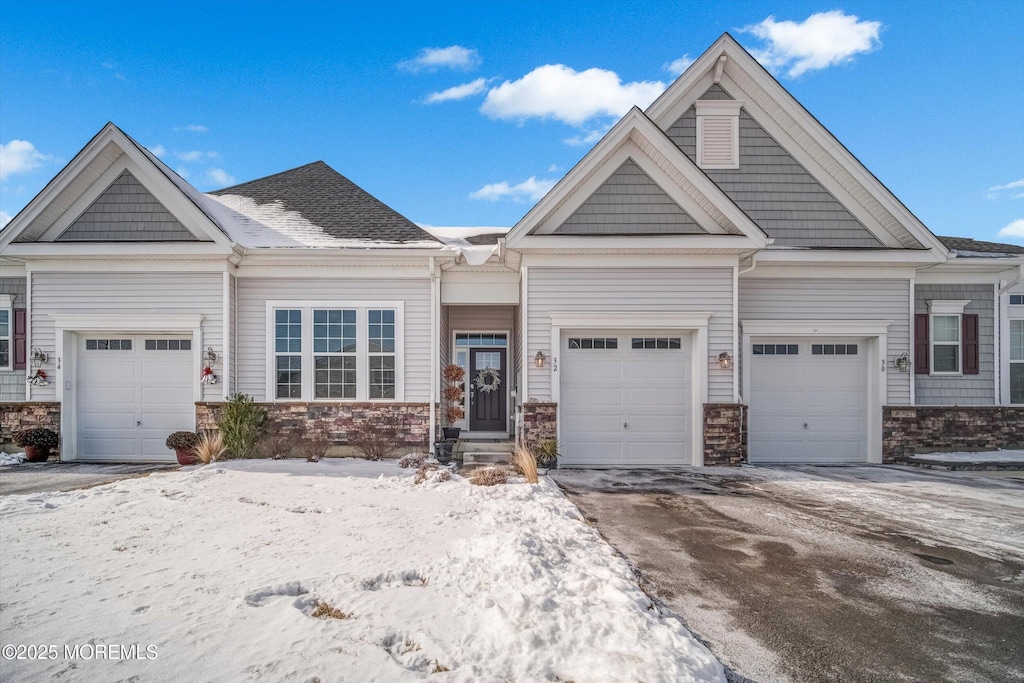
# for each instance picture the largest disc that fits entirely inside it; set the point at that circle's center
(12, 458)
(342, 570)
(962, 456)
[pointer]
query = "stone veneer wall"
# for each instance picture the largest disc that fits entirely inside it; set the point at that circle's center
(338, 419)
(725, 433)
(28, 415)
(907, 430)
(540, 422)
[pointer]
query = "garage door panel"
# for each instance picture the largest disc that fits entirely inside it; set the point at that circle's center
(808, 407)
(108, 446)
(107, 421)
(594, 451)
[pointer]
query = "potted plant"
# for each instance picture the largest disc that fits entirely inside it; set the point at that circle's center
(547, 453)
(184, 444)
(454, 391)
(36, 442)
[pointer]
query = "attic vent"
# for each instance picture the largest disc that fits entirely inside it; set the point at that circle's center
(718, 133)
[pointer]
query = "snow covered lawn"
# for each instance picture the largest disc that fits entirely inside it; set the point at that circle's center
(219, 573)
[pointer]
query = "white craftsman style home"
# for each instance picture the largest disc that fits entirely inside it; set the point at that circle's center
(717, 281)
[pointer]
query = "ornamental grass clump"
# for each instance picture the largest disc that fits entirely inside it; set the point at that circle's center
(210, 447)
(489, 476)
(524, 463)
(242, 423)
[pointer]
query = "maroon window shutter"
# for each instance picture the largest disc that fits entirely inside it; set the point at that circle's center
(970, 334)
(921, 354)
(20, 355)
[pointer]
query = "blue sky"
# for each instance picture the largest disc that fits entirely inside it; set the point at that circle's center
(463, 113)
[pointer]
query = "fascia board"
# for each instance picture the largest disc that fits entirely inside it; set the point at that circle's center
(739, 243)
(115, 249)
(56, 185)
(870, 256)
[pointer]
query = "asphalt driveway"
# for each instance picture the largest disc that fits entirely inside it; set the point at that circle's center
(34, 477)
(828, 573)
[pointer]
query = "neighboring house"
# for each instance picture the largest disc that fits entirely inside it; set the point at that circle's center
(718, 280)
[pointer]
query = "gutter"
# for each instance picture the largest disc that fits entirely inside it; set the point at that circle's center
(1017, 281)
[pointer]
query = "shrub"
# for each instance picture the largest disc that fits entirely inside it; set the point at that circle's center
(182, 441)
(313, 445)
(431, 471)
(547, 453)
(274, 444)
(489, 476)
(375, 439)
(524, 463)
(324, 610)
(412, 460)
(242, 423)
(40, 437)
(210, 447)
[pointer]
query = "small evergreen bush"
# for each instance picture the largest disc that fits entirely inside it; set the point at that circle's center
(242, 423)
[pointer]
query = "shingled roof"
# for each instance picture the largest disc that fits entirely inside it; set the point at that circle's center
(331, 202)
(967, 244)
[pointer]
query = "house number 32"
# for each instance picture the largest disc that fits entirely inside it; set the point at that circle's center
(554, 364)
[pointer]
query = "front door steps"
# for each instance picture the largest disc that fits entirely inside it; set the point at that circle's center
(483, 453)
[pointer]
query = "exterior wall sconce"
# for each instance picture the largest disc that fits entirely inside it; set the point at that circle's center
(210, 357)
(724, 360)
(539, 359)
(903, 362)
(38, 357)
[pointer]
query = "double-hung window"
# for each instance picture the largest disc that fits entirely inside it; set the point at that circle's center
(6, 329)
(1016, 361)
(335, 351)
(945, 344)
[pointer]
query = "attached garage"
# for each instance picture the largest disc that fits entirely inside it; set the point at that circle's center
(808, 400)
(626, 398)
(131, 391)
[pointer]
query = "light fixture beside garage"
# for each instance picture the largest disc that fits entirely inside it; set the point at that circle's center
(539, 359)
(903, 362)
(38, 358)
(724, 360)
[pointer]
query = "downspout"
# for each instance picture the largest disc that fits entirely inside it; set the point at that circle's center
(737, 351)
(1014, 283)
(435, 311)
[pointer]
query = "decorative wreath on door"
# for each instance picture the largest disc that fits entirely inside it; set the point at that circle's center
(487, 380)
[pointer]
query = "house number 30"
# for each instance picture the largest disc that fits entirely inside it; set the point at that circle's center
(883, 366)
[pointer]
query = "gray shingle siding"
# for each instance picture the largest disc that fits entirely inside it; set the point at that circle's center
(126, 212)
(12, 382)
(965, 390)
(777, 192)
(629, 203)
(716, 92)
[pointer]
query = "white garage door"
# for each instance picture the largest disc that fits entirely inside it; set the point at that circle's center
(808, 401)
(625, 398)
(132, 392)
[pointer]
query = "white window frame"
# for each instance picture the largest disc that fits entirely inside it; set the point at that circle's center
(338, 354)
(362, 309)
(7, 305)
(378, 354)
(946, 309)
(1009, 358)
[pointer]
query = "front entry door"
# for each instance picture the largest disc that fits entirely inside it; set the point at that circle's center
(486, 408)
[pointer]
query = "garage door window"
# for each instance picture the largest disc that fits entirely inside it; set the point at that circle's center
(946, 344)
(108, 344)
(657, 343)
(834, 349)
(168, 344)
(593, 343)
(776, 349)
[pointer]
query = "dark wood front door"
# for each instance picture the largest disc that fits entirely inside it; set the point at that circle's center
(487, 411)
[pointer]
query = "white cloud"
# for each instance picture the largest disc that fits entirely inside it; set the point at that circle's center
(530, 189)
(678, 66)
(588, 138)
(823, 39)
(434, 58)
(554, 168)
(559, 92)
(458, 92)
(1014, 229)
(196, 155)
(997, 191)
(191, 128)
(220, 177)
(5, 218)
(159, 150)
(20, 156)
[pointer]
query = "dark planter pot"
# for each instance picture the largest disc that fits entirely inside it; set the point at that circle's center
(185, 457)
(443, 452)
(451, 433)
(37, 453)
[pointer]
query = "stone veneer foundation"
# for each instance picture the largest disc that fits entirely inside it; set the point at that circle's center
(337, 419)
(725, 434)
(907, 430)
(15, 417)
(540, 422)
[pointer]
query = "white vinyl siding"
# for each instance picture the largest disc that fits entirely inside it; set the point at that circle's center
(254, 293)
(959, 389)
(655, 290)
(815, 299)
(126, 295)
